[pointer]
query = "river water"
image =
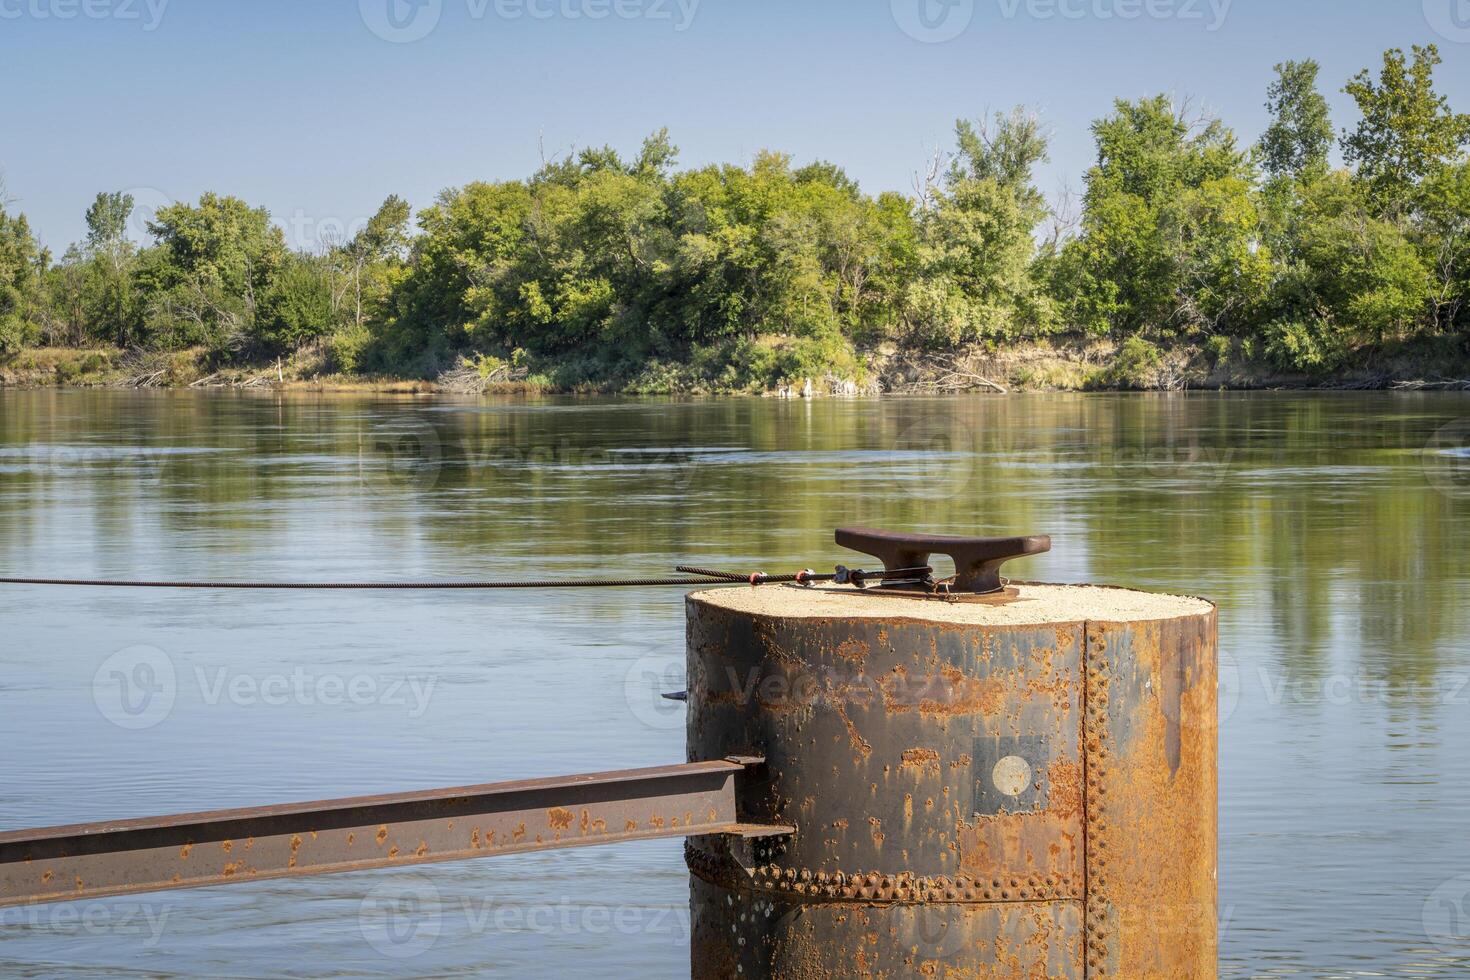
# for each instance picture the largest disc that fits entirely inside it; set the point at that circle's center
(1331, 528)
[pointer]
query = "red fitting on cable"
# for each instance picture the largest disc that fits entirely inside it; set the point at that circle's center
(804, 577)
(757, 578)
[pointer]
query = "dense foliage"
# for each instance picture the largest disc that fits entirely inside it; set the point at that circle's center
(606, 269)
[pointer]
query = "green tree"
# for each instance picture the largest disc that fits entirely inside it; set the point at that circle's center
(975, 251)
(1348, 279)
(374, 252)
(1300, 136)
(22, 261)
(109, 298)
(215, 265)
(1443, 234)
(107, 221)
(1407, 130)
(1169, 237)
(301, 304)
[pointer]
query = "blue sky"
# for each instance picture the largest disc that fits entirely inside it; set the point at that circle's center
(317, 109)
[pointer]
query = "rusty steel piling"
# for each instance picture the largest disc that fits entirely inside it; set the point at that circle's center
(1015, 784)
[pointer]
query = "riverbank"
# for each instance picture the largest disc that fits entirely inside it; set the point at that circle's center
(1134, 365)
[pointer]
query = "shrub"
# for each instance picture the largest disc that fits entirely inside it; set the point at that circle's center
(1135, 366)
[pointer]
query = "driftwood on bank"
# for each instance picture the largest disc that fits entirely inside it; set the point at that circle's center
(1453, 384)
(145, 369)
(939, 375)
(467, 379)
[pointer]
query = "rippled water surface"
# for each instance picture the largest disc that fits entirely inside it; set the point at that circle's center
(1334, 530)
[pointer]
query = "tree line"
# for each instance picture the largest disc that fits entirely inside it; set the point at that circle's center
(603, 269)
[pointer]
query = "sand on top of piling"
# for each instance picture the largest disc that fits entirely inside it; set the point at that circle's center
(1035, 604)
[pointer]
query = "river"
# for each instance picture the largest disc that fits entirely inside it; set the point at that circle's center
(1332, 529)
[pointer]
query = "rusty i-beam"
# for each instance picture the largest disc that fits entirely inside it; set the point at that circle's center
(124, 857)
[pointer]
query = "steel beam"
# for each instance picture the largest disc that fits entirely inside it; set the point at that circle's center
(188, 850)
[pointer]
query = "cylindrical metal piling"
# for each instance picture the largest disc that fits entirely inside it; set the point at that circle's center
(1024, 788)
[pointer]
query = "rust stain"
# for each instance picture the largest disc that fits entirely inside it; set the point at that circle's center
(923, 759)
(558, 818)
(1065, 777)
